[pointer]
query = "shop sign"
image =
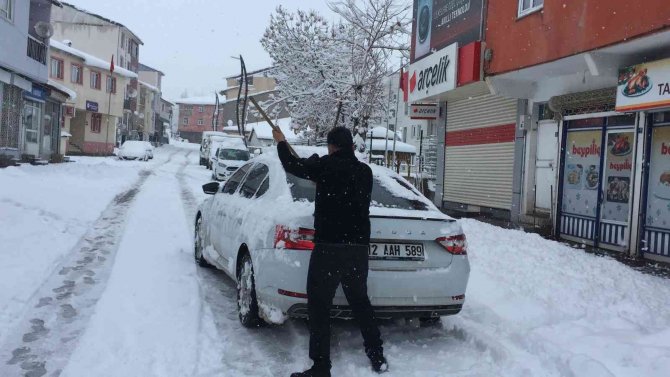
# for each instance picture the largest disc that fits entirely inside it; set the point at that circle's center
(428, 111)
(582, 173)
(658, 200)
(92, 106)
(433, 75)
(644, 86)
(440, 23)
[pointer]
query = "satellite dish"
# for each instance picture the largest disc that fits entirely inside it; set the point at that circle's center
(44, 29)
(132, 93)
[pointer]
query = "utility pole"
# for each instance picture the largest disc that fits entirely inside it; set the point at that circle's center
(397, 103)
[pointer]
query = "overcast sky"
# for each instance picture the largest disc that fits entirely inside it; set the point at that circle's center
(192, 41)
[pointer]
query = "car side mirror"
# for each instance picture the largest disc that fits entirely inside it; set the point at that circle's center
(210, 188)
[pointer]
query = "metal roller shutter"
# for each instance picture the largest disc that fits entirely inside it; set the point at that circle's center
(479, 159)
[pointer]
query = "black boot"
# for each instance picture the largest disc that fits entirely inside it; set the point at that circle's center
(378, 361)
(314, 371)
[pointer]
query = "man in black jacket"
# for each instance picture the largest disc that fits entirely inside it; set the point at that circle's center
(342, 225)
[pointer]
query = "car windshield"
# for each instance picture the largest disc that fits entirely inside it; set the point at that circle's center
(234, 155)
(382, 196)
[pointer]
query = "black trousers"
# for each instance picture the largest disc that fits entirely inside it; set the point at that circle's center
(329, 266)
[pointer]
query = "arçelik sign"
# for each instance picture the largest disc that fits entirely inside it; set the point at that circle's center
(428, 111)
(434, 74)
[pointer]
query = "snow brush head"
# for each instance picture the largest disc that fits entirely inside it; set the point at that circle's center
(340, 138)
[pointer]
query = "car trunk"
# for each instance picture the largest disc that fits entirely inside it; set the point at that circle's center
(396, 242)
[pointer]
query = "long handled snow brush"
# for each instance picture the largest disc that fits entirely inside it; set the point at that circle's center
(267, 119)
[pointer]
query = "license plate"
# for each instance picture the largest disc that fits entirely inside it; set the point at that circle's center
(396, 251)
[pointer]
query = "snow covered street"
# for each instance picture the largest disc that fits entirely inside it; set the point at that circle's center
(98, 279)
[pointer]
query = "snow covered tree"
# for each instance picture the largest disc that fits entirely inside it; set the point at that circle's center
(331, 74)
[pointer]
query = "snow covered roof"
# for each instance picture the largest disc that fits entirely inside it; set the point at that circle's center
(202, 100)
(149, 86)
(71, 93)
(101, 18)
(379, 131)
(247, 128)
(91, 60)
(264, 131)
(380, 145)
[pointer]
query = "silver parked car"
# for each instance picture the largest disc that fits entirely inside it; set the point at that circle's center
(258, 228)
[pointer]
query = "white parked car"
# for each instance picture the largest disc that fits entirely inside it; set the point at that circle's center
(204, 145)
(258, 228)
(136, 150)
(227, 159)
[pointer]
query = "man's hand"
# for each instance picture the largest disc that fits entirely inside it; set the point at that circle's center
(278, 135)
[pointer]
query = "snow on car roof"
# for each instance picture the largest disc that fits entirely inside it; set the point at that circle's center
(391, 181)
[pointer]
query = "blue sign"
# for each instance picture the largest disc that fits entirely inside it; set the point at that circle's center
(36, 94)
(92, 106)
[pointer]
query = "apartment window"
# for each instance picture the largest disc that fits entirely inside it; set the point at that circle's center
(201, 122)
(96, 123)
(6, 8)
(123, 43)
(77, 74)
(96, 77)
(201, 109)
(111, 84)
(57, 69)
(123, 65)
(529, 6)
(185, 122)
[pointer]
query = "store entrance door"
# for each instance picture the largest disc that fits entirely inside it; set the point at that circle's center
(545, 164)
(31, 126)
(596, 177)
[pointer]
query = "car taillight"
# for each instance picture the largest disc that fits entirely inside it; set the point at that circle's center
(295, 239)
(456, 245)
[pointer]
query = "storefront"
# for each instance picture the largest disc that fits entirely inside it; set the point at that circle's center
(596, 180)
(645, 88)
(614, 183)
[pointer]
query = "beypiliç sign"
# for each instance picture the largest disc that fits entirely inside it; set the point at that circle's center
(433, 75)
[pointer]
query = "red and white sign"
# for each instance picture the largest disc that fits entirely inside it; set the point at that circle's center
(69, 111)
(644, 86)
(424, 111)
(433, 75)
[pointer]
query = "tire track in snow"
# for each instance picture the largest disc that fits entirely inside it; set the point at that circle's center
(267, 351)
(58, 312)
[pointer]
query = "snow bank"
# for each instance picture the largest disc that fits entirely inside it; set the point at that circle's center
(44, 211)
(577, 314)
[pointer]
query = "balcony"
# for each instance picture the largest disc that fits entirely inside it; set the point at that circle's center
(37, 50)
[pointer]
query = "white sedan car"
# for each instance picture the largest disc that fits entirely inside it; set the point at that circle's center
(136, 150)
(227, 159)
(258, 228)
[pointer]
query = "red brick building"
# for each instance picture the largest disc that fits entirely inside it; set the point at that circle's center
(195, 117)
(589, 76)
(573, 102)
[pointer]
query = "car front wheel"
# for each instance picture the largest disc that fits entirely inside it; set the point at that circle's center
(247, 305)
(199, 258)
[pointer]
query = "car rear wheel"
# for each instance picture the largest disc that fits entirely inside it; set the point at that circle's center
(247, 305)
(199, 258)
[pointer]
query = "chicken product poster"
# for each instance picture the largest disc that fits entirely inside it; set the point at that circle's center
(582, 173)
(658, 200)
(644, 86)
(617, 180)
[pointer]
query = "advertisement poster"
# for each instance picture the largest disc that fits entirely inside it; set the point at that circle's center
(658, 200)
(644, 86)
(582, 173)
(618, 173)
(440, 23)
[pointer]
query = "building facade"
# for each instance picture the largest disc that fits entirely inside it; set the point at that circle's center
(592, 116)
(29, 104)
(92, 118)
(104, 38)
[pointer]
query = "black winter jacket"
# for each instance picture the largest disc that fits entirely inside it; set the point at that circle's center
(343, 189)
